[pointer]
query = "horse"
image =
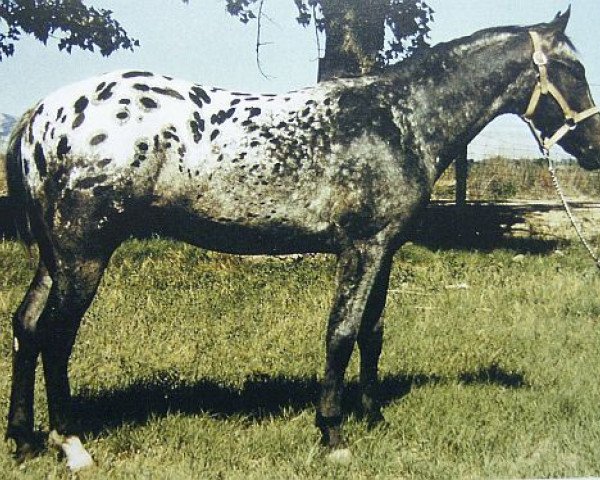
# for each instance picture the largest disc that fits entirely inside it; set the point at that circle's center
(345, 168)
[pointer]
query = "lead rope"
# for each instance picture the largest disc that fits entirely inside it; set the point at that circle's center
(567, 208)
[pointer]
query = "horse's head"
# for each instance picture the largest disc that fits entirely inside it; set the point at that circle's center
(561, 106)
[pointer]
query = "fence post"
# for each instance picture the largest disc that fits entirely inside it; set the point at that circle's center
(461, 172)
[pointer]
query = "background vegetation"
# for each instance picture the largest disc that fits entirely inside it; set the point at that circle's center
(500, 178)
(191, 364)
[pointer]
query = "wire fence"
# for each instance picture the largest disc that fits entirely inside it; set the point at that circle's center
(509, 137)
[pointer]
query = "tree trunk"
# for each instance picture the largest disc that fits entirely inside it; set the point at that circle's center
(355, 31)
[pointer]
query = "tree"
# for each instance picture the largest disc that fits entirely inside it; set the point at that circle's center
(71, 22)
(355, 30)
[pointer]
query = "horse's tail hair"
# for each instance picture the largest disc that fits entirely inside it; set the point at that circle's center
(18, 192)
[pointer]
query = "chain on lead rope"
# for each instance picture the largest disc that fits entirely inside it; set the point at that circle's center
(567, 208)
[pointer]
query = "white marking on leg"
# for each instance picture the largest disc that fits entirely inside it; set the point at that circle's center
(341, 456)
(16, 344)
(77, 456)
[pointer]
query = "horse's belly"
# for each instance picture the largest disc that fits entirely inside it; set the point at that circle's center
(268, 217)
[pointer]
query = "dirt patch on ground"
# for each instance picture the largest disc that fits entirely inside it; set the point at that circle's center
(550, 219)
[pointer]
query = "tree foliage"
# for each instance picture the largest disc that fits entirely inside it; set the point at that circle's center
(70, 22)
(356, 29)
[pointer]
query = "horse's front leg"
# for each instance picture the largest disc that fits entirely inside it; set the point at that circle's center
(370, 341)
(359, 267)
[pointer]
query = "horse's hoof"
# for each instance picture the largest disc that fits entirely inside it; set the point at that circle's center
(374, 420)
(27, 451)
(77, 456)
(340, 456)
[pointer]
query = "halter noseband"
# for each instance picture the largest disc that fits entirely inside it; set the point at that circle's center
(545, 87)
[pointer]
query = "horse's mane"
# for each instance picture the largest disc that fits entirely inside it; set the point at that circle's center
(428, 58)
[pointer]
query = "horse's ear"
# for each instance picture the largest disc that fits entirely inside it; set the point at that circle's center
(560, 22)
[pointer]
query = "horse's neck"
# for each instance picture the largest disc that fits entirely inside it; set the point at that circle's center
(465, 88)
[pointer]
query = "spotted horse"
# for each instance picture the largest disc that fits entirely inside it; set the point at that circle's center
(343, 168)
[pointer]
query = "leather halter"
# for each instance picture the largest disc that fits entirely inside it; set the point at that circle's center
(545, 87)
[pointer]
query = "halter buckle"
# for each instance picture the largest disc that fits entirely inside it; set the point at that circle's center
(540, 58)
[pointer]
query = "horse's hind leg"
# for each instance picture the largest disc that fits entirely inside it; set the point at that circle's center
(370, 340)
(73, 289)
(25, 353)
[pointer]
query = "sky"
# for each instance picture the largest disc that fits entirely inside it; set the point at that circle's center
(199, 41)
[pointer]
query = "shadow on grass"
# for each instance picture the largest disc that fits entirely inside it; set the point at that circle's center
(478, 225)
(482, 226)
(259, 397)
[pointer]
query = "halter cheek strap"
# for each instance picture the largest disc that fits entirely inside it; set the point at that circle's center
(545, 87)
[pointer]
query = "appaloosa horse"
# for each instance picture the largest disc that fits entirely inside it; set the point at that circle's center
(343, 168)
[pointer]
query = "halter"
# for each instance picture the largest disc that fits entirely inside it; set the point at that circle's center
(545, 87)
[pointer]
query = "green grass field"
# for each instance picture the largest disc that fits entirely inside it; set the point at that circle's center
(197, 365)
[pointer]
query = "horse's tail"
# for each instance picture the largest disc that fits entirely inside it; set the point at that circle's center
(18, 192)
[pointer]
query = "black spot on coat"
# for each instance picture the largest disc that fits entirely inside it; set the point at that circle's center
(197, 126)
(46, 127)
(97, 139)
(198, 96)
(81, 104)
(221, 116)
(78, 120)
(214, 134)
(40, 160)
(142, 87)
(169, 92)
(63, 147)
(106, 93)
(135, 73)
(254, 111)
(196, 133)
(200, 121)
(148, 102)
(170, 136)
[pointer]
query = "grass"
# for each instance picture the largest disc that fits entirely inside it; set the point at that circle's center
(196, 365)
